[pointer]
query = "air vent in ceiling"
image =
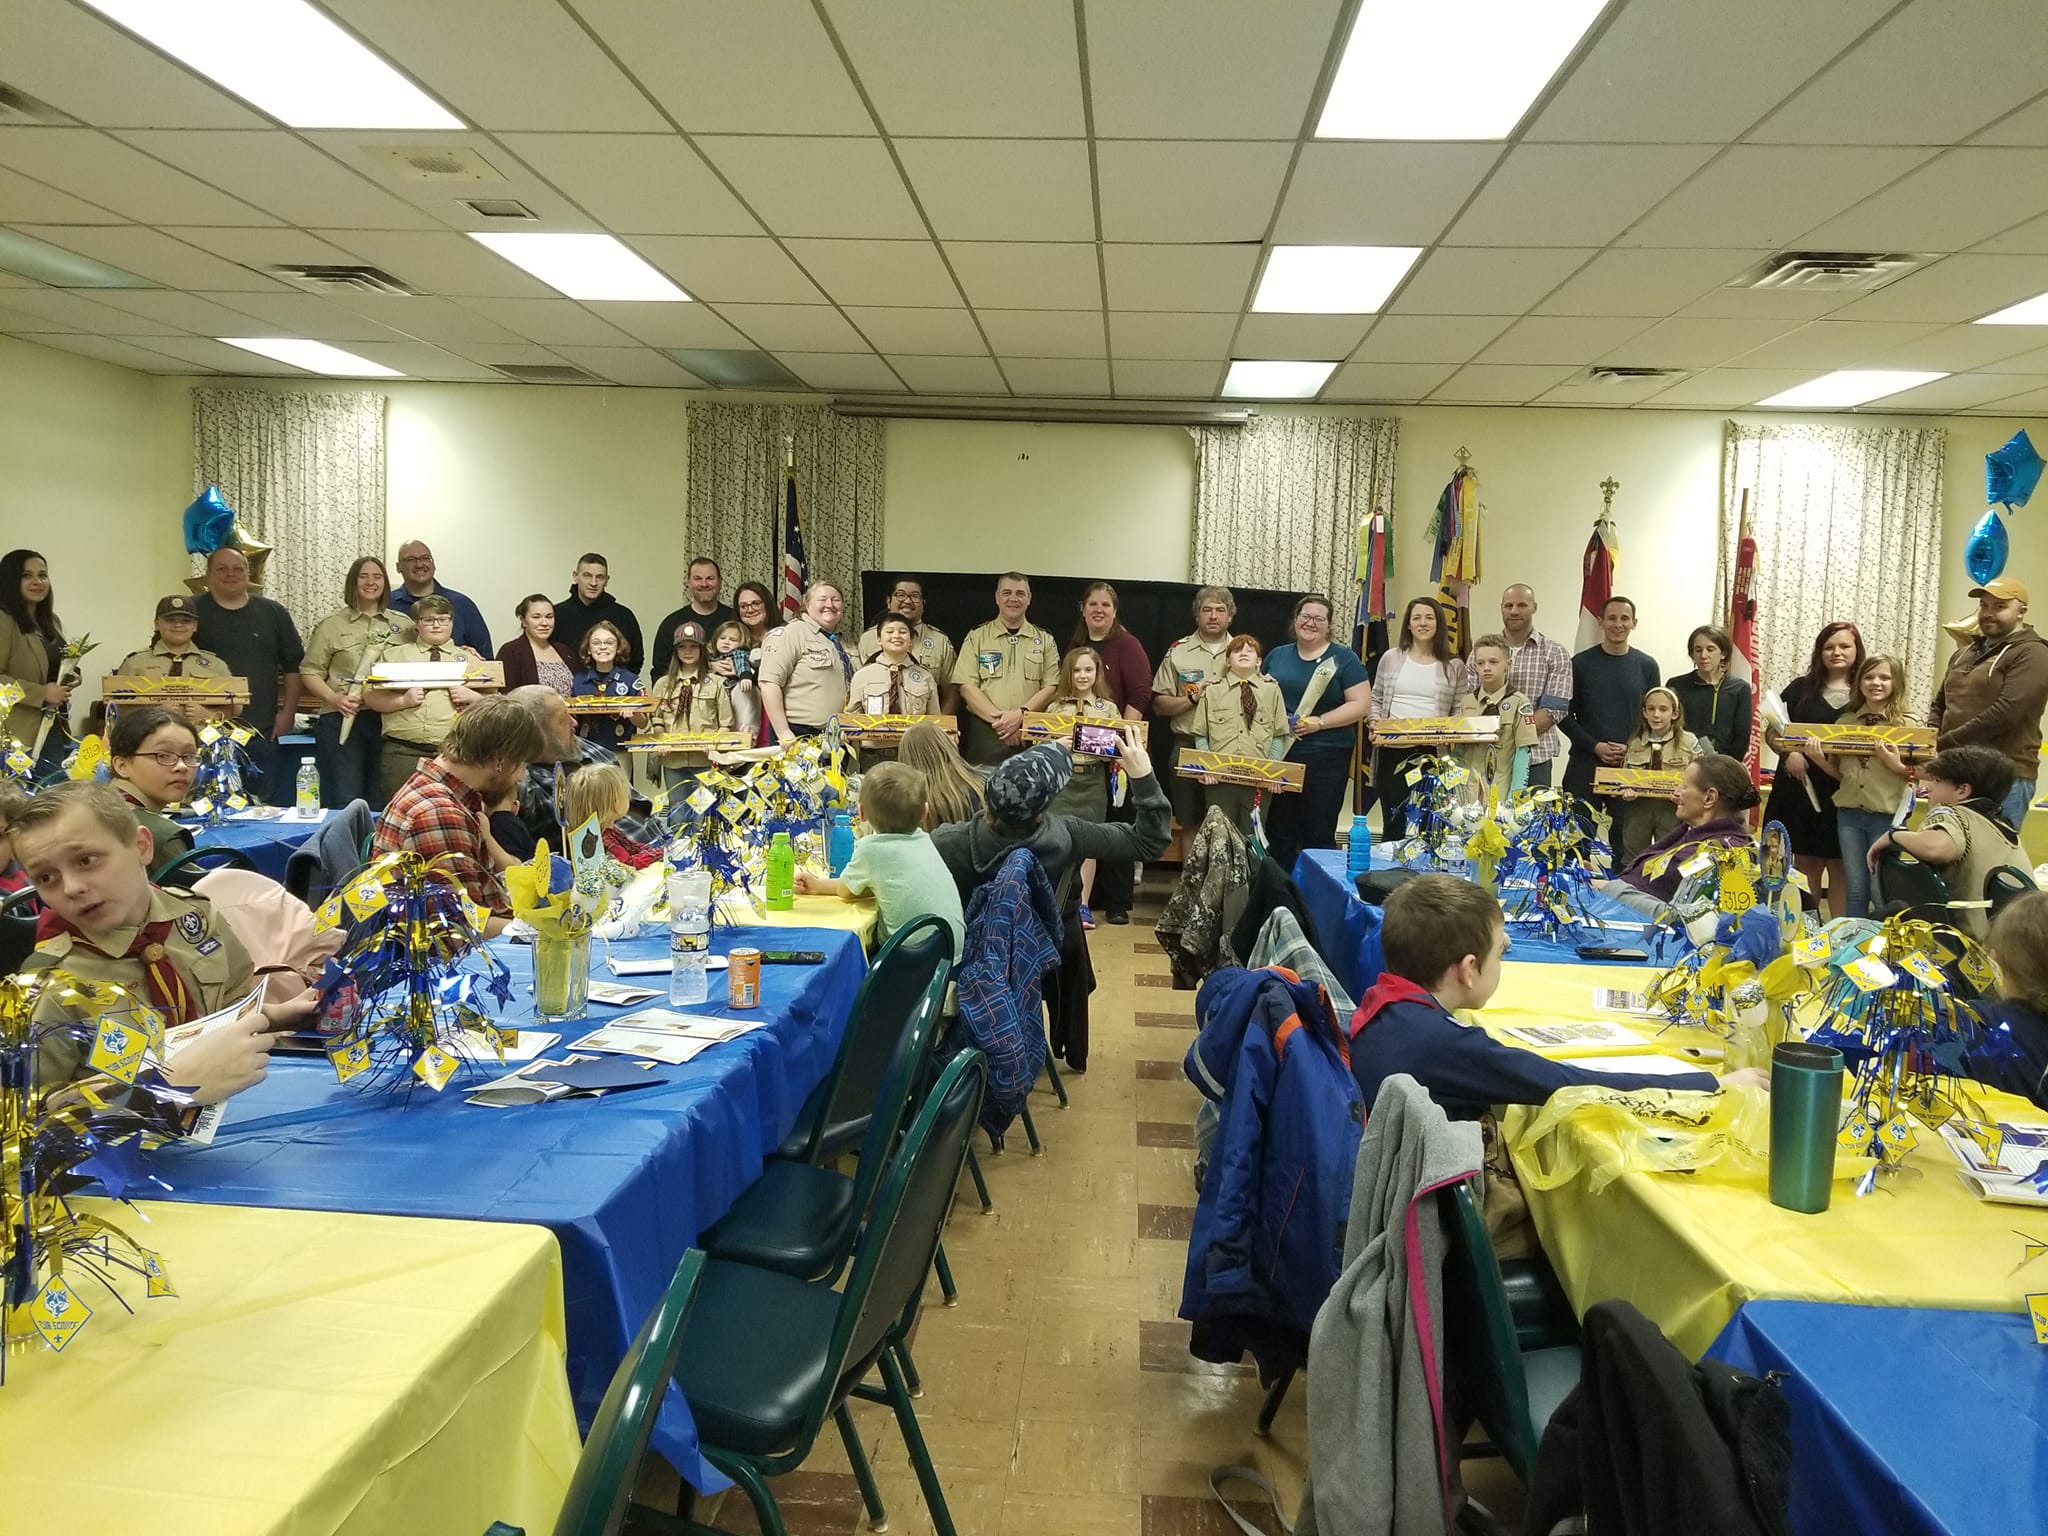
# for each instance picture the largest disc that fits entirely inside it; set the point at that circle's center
(1828, 271)
(18, 108)
(1607, 374)
(351, 279)
(545, 373)
(498, 208)
(736, 368)
(434, 162)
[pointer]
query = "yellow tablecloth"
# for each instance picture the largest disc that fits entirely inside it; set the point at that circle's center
(1690, 1251)
(810, 912)
(316, 1373)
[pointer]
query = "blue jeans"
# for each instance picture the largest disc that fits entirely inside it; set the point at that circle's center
(2017, 799)
(1858, 829)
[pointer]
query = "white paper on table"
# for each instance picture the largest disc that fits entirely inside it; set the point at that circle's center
(696, 1026)
(531, 1043)
(1563, 1036)
(179, 1036)
(664, 1045)
(2024, 1149)
(660, 967)
(612, 995)
(516, 1088)
(1645, 1065)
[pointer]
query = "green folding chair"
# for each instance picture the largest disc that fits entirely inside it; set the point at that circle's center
(188, 866)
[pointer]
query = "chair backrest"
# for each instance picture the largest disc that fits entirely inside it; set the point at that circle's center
(1903, 881)
(882, 1010)
(601, 1489)
(194, 862)
(909, 1067)
(1482, 1355)
(17, 930)
(2005, 885)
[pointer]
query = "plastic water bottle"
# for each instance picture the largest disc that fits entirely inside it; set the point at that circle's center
(308, 798)
(689, 936)
(1358, 853)
(839, 846)
(781, 874)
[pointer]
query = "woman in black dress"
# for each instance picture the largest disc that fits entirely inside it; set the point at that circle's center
(1817, 697)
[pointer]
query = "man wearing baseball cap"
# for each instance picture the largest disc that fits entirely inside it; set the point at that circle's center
(1995, 690)
(174, 655)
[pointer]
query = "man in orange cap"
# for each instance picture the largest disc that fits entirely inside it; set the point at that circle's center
(1995, 690)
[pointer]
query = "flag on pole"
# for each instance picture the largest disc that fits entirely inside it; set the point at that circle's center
(793, 561)
(1742, 630)
(1603, 554)
(1454, 558)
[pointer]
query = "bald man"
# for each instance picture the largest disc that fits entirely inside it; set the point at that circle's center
(1540, 670)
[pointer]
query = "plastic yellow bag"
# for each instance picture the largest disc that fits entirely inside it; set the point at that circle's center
(1613, 1131)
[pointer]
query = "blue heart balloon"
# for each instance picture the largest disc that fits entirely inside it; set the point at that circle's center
(2011, 473)
(209, 523)
(1985, 555)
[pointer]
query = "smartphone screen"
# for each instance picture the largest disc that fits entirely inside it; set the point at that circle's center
(1097, 740)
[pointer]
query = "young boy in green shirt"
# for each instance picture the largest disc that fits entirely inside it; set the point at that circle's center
(896, 862)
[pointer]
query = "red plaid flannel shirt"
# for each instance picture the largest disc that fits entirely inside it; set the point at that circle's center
(435, 815)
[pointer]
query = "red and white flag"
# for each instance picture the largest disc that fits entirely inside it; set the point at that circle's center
(1742, 630)
(1603, 554)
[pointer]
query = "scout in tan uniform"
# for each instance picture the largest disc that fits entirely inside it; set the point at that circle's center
(417, 720)
(1006, 666)
(1081, 693)
(1240, 714)
(805, 667)
(688, 697)
(1505, 762)
(343, 647)
(1190, 665)
(173, 654)
(892, 684)
(153, 754)
(929, 648)
(88, 858)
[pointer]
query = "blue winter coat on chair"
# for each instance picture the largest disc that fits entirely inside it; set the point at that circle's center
(1268, 1235)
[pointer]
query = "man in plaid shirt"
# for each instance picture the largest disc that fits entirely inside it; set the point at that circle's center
(1540, 670)
(439, 811)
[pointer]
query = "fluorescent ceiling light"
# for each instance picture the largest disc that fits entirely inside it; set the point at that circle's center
(2032, 311)
(1332, 279)
(1260, 380)
(585, 266)
(313, 356)
(28, 257)
(1849, 386)
(282, 57)
(1449, 69)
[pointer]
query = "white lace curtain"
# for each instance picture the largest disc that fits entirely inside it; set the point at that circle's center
(1279, 502)
(1847, 522)
(734, 509)
(305, 474)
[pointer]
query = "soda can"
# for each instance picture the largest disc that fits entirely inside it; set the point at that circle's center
(743, 978)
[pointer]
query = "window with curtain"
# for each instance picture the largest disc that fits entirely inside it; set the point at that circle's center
(1847, 522)
(1279, 502)
(734, 507)
(305, 474)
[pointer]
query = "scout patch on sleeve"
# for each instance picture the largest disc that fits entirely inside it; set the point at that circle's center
(191, 927)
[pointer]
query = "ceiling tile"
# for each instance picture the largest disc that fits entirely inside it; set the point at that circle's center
(905, 272)
(418, 360)
(1498, 383)
(672, 325)
(1385, 381)
(501, 354)
(282, 175)
(1206, 69)
(950, 375)
(260, 248)
(1962, 348)
(636, 183)
(151, 254)
(1694, 343)
(313, 317)
(186, 311)
(861, 371)
(766, 66)
(1168, 337)
(1146, 380)
(1611, 393)
(136, 354)
(445, 263)
(829, 187)
(63, 54)
(371, 153)
(1317, 337)
(1965, 196)
(1167, 192)
(1731, 388)
(1960, 288)
(1934, 73)
(60, 309)
(2032, 403)
(118, 176)
(1180, 277)
(938, 332)
(1431, 339)
(1957, 392)
(503, 63)
(1026, 274)
(641, 367)
(1057, 375)
(30, 202)
(2035, 361)
(1823, 345)
(550, 322)
(1560, 339)
(795, 327)
(1573, 194)
(1787, 304)
(729, 268)
(1458, 281)
(2030, 239)
(1675, 71)
(1379, 194)
(1002, 189)
(1641, 282)
(937, 67)
(443, 322)
(1763, 196)
(1062, 333)
(2028, 126)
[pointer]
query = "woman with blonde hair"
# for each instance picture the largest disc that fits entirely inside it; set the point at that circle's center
(953, 791)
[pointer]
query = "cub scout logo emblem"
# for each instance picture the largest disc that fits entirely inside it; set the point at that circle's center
(191, 926)
(990, 662)
(58, 1314)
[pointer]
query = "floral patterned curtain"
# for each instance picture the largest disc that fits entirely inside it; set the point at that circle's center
(1847, 522)
(305, 475)
(734, 511)
(1279, 502)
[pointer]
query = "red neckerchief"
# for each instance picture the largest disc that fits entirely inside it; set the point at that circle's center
(1388, 990)
(160, 978)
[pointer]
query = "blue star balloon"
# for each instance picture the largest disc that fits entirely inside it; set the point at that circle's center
(1985, 555)
(2011, 474)
(209, 523)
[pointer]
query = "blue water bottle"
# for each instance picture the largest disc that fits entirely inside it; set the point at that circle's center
(1358, 853)
(839, 845)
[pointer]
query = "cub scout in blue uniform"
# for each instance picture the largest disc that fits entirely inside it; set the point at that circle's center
(1006, 667)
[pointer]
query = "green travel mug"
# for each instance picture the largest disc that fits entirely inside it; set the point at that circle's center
(1806, 1112)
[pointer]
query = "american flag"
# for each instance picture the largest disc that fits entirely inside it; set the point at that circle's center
(793, 562)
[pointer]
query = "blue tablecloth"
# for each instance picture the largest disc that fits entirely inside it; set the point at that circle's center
(626, 1183)
(268, 843)
(1905, 1420)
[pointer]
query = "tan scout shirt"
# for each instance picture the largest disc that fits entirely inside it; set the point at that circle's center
(1190, 665)
(346, 640)
(868, 693)
(1219, 719)
(803, 661)
(1516, 731)
(156, 662)
(429, 723)
(1008, 665)
(929, 648)
(709, 709)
